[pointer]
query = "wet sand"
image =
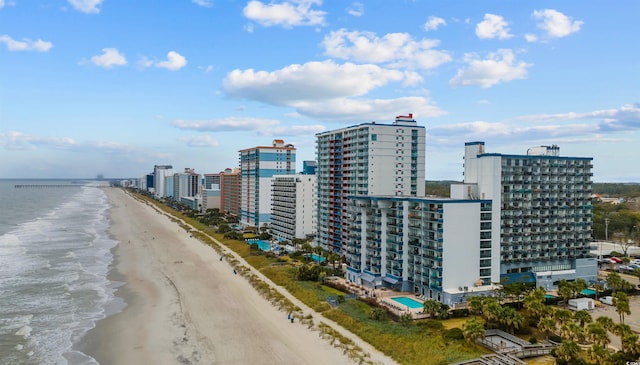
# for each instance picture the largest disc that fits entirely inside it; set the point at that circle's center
(185, 306)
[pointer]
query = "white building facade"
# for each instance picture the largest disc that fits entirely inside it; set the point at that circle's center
(257, 166)
(159, 174)
(293, 206)
(361, 160)
(186, 184)
(542, 208)
(439, 249)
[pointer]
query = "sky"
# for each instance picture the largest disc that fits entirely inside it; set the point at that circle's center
(114, 87)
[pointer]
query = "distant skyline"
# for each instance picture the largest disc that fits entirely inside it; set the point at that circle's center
(115, 87)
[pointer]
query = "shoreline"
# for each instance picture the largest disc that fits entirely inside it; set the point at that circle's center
(186, 306)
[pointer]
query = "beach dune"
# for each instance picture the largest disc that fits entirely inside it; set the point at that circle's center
(185, 306)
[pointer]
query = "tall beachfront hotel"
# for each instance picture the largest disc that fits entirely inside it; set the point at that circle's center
(366, 159)
(542, 208)
(437, 248)
(160, 173)
(257, 167)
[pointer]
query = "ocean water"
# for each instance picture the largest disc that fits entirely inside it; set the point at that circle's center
(55, 254)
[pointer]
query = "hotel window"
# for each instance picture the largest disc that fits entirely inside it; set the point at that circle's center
(374, 137)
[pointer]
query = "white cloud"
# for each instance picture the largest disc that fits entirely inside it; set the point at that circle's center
(199, 141)
(531, 37)
(309, 81)
(286, 14)
(493, 26)
(433, 23)
(110, 57)
(26, 44)
(624, 118)
(13, 140)
(364, 110)
(498, 67)
(226, 125)
(174, 62)
(394, 49)
(86, 6)
(547, 127)
(555, 23)
(206, 69)
(145, 62)
(328, 91)
(2, 4)
(203, 3)
(356, 9)
(258, 125)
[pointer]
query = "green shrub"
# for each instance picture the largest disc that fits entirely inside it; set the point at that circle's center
(454, 334)
(555, 338)
(378, 314)
(533, 340)
(457, 313)
(431, 324)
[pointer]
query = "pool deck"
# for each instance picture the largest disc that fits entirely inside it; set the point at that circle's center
(383, 297)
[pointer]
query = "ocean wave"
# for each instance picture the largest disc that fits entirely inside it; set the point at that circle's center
(53, 278)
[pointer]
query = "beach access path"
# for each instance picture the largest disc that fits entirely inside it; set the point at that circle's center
(185, 306)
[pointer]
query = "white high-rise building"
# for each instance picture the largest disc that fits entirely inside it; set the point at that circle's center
(257, 166)
(160, 172)
(292, 206)
(439, 249)
(186, 184)
(366, 159)
(541, 207)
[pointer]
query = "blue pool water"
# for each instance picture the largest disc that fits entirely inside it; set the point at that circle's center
(408, 302)
(589, 292)
(262, 244)
(549, 296)
(317, 258)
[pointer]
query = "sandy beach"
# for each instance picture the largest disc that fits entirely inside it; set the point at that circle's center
(185, 306)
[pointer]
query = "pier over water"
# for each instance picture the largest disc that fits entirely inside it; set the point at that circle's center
(47, 186)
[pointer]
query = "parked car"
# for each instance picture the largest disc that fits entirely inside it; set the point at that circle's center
(625, 269)
(607, 300)
(615, 260)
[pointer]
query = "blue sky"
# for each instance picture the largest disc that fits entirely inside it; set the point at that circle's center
(114, 87)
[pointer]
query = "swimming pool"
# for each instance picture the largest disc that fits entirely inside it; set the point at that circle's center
(588, 292)
(262, 244)
(411, 303)
(317, 258)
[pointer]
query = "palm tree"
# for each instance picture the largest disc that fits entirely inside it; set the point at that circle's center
(568, 351)
(606, 323)
(547, 325)
(534, 301)
(571, 330)
(473, 330)
(597, 334)
(511, 318)
(630, 344)
(491, 310)
(583, 317)
(563, 316)
(475, 304)
(598, 288)
(598, 355)
(432, 307)
(565, 291)
(615, 281)
(333, 257)
(405, 319)
(621, 301)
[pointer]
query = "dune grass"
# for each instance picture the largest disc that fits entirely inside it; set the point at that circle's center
(421, 343)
